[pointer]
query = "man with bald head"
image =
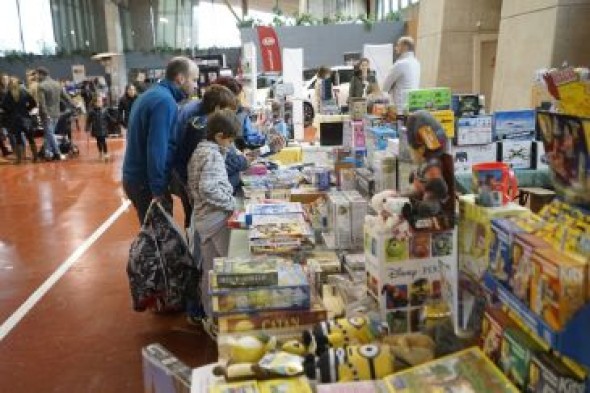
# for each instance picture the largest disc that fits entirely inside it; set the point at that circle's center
(404, 75)
(151, 136)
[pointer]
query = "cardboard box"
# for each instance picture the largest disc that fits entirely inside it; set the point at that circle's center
(438, 98)
(466, 156)
(377, 140)
(403, 274)
(540, 160)
(519, 124)
(466, 104)
(475, 233)
(558, 286)
(358, 211)
(358, 134)
(474, 130)
(365, 182)
(517, 154)
(549, 374)
(495, 322)
(163, 372)
(517, 352)
(384, 171)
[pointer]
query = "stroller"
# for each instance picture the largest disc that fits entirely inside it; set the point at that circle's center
(63, 135)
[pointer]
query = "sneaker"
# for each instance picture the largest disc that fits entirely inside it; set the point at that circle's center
(62, 157)
(210, 327)
(106, 157)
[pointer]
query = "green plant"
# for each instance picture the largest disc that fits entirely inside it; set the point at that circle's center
(304, 19)
(393, 16)
(248, 23)
(367, 21)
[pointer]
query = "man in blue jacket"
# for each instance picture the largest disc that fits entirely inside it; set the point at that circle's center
(151, 136)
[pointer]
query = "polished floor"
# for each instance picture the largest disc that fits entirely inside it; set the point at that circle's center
(83, 335)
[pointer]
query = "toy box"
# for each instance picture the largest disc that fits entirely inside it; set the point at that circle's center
(384, 171)
(279, 233)
(474, 130)
(517, 351)
(350, 387)
(501, 248)
(370, 121)
(475, 233)
(447, 119)
(466, 156)
(358, 108)
(540, 160)
(358, 134)
(365, 182)
(358, 211)
(241, 387)
(567, 141)
(519, 124)
(431, 99)
(163, 372)
(517, 154)
(495, 322)
(523, 248)
(299, 385)
(377, 140)
(558, 286)
(292, 292)
(466, 371)
(403, 274)
(549, 374)
(339, 220)
(467, 104)
(246, 272)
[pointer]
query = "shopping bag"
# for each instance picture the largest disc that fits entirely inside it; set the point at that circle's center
(161, 270)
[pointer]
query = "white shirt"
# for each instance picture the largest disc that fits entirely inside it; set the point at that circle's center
(403, 76)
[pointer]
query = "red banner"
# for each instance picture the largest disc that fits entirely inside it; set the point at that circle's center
(269, 49)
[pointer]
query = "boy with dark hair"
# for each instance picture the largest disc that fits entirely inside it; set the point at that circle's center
(212, 195)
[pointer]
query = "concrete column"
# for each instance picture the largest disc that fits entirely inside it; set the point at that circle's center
(533, 35)
(141, 25)
(446, 45)
(117, 67)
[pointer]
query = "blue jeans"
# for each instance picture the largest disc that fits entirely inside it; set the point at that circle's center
(51, 148)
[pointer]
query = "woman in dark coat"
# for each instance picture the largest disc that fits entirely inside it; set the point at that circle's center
(362, 78)
(17, 106)
(125, 104)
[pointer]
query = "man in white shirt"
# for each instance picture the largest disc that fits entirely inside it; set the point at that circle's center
(405, 73)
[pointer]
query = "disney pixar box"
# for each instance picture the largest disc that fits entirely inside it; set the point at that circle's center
(405, 272)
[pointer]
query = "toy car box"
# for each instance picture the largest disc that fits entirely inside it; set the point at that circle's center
(466, 104)
(358, 211)
(519, 124)
(475, 233)
(549, 374)
(430, 99)
(504, 231)
(558, 286)
(517, 351)
(517, 154)
(523, 248)
(495, 322)
(292, 292)
(474, 130)
(466, 156)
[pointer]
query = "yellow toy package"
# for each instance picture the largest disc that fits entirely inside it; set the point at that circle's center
(237, 387)
(558, 286)
(295, 385)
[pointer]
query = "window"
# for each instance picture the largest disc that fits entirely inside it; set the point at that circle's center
(27, 27)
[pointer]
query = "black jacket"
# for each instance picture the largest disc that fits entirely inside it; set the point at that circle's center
(97, 122)
(125, 104)
(357, 87)
(16, 112)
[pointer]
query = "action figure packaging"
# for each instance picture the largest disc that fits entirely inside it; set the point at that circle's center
(516, 353)
(547, 374)
(495, 322)
(522, 251)
(558, 286)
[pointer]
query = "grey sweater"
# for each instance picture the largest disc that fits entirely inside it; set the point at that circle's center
(210, 188)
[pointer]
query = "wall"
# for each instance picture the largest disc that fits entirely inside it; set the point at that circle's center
(59, 67)
(325, 45)
(523, 49)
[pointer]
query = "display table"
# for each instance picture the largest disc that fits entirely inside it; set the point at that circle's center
(238, 243)
(525, 177)
(289, 155)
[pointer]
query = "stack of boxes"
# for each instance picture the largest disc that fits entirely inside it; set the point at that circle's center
(346, 216)
(515, 132)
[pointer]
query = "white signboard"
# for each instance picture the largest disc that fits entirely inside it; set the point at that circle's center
(380, 58)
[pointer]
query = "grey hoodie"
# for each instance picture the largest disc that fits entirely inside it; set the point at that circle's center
(210, 188)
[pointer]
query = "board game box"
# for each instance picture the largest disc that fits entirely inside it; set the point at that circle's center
(516, 353)
(466, 371)
(474, 130)
(520, 124)
(495, 322)
(438, 98)
(247, 271)
(549, 374)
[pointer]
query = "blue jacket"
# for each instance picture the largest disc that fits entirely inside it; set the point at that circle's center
(234, 164)
(151, 137)
(188, 141)
(250, 135)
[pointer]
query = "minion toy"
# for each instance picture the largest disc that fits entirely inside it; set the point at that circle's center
(341, 332)
(354, 363)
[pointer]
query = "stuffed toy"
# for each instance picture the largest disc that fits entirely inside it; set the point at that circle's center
(378, 204)
(397, 211)
(275, 364)
(411, 349)
(349, 364)
(250, 349)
